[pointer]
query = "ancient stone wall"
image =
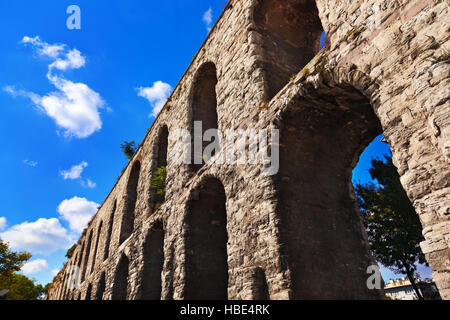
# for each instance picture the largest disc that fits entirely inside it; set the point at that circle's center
(230, 231)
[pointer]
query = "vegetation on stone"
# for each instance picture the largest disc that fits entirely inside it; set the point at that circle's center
(129, 149)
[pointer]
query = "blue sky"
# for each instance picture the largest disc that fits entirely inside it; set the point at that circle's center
(57, 165)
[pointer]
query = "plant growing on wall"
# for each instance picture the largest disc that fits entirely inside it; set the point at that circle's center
(158, 181)
(129, 149)
(69, 252)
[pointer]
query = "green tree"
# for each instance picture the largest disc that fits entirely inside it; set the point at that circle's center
(11, 261)
(393, 227)
(69, 252)
(47, 287)
(19, 286)
(129, 149)
(23, 288)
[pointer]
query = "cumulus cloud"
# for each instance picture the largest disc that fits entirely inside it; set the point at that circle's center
(30, 163)
(78, 212)
(65, 58)
(75, 172)
(55, 272)
(207, 19)
(34, 266)
(43, 236)
(44, 49)
(74, 106)
(157, 95)
(2, 223)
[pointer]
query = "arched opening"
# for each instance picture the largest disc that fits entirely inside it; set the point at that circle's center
(153, 263)
(130, 203)
(261, 290)
(120, 286)
(86, 256)
(101, 287)
(321, 138)
(291, 31)
(80, 256)
(393, 226)
(88, 292)
(206, 244)
(159, 169)
(70, 279)
(204, 110)
(63, 287)
(99, 233)
(109, 233)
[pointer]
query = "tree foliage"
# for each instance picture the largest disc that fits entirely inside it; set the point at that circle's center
(69, 252)
(158, 181)
(393, 227)
(22, 288)
(129, 149)
(19, 286)
(11, 261)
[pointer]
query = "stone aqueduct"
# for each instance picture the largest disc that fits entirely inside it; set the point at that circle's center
(229, 231)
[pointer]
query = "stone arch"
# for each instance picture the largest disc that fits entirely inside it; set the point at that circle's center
(86, 255)
(94, 257)
(70, 276)
(130, 202)
(80, 256)
(63, 286)
(323, 132)
(204, 109)
(160, 160)
(101, 287)
(110, 230)
(153, 263)
(120, 285)
(290, 32)
(206, 241)
(261, 290)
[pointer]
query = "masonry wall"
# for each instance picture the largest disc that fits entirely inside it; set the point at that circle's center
(297, 234)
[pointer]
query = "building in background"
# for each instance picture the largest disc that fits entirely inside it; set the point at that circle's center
(401, 289)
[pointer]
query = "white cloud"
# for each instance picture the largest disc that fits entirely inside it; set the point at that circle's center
(78, 212)
(74, 106)
(30, 163)
(34, 266)
(157, 95)
(75, 172)
(72, 60)
(43, 236)
(207, 19)
(2, 223)
(90, 184)
(64, 59)
(55, 272)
